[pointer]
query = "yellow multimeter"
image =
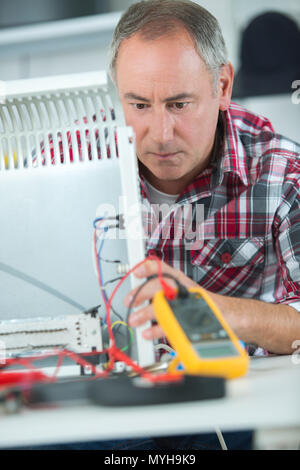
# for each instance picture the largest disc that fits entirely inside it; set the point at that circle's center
(202, 339)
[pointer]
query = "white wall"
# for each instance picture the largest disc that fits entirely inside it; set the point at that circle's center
(61, 47)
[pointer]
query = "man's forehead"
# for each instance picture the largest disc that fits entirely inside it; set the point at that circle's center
(146, 89)
(138, 48)
(166, 62)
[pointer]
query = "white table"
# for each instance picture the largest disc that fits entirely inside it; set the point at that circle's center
(266, 399)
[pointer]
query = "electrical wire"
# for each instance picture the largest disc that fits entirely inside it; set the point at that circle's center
(98, 226)
(221, 439)
(155, 276)
(40, 285)
(116, 353)
(98, 266)
(166, 347)
(113, 352)
(130, 331)
(150, 278)
(34, 374)
(98, 257)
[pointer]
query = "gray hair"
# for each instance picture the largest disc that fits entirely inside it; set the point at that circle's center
(156, 18)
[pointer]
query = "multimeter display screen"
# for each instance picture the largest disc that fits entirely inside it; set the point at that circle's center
(202, 328)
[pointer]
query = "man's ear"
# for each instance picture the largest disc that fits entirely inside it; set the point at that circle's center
(225, 84)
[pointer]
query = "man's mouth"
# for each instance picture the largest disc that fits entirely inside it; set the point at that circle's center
(164, 155)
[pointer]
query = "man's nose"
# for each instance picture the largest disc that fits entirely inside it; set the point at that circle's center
(161, 127)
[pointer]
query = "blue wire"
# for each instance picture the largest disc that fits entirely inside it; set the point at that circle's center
(96, 221)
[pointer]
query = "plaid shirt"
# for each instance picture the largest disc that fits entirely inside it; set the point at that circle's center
(250, 243)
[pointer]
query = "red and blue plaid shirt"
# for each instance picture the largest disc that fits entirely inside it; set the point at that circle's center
(250, 197)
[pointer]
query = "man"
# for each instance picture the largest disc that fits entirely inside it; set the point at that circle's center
(169, 64)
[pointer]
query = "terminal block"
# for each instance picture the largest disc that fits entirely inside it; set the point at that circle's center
(80, 333)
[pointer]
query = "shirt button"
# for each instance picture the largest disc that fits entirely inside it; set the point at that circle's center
(226, 257)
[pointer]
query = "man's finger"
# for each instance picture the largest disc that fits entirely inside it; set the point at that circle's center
(147, 292)
(151, 267)
(141, 316)
(155, 332)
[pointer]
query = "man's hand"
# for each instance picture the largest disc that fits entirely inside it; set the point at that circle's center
(270, 326)
(150, 268)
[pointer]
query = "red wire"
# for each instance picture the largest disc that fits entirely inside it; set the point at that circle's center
(113, 352)
(34, 375)
(22, 361)
(108, 305)
(82, 362)
(116, 353)
(10, 378)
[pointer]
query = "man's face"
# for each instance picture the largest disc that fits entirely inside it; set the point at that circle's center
(168, 98)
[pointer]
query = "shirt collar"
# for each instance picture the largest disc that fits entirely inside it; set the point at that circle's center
(232, 158)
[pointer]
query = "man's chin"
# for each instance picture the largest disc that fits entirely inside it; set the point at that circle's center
(166, 178)
(169, 175)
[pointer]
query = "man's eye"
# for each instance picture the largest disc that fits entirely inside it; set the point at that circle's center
(139, 105)
(179, 105)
